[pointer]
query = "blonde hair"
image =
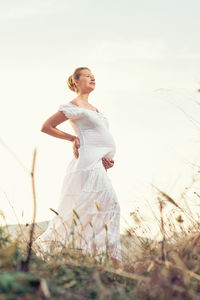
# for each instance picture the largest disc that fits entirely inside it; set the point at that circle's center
(70, 81)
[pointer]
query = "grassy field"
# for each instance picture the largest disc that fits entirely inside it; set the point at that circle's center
(165, 269)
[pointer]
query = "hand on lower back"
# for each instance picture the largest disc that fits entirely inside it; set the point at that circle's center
(76, 145)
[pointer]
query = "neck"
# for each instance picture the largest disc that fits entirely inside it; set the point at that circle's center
(83, 97)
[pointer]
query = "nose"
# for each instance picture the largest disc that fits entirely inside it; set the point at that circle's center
(92, 76)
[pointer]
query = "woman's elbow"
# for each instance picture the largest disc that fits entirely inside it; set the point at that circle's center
(44, 128)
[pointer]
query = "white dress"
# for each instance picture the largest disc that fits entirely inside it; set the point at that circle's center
(88, 213)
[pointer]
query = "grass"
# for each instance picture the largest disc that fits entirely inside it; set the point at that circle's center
(164, 269)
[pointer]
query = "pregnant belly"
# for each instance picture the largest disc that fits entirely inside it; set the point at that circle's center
(101, 139)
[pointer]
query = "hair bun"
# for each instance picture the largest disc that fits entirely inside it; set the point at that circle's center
(71, 84)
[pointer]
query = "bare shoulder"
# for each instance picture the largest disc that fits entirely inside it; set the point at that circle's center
(74, 101)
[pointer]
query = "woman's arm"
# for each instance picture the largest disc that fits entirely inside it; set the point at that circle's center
(50, 124)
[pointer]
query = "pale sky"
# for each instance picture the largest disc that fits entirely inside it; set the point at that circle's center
(145, 56)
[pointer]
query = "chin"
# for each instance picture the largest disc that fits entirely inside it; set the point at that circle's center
(91, 89)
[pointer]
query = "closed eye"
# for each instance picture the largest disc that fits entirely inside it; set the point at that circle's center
(89, 75)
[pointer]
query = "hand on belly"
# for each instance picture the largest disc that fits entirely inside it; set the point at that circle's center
(107, 162)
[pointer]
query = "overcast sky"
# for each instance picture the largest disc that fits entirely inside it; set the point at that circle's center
(145, 56)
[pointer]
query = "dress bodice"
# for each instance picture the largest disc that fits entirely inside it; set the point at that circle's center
(90, 126)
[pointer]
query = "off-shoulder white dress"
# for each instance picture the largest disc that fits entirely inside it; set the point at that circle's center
(88, 213)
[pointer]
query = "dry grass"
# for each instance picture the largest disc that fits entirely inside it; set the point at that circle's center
(165, 269)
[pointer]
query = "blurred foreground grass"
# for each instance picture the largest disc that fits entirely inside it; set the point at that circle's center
(166, 269)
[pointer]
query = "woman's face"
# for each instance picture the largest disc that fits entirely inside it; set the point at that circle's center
(86, 82)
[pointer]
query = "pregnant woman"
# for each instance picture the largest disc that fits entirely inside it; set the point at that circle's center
(88, 215)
